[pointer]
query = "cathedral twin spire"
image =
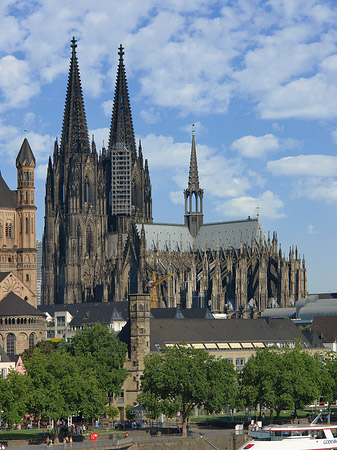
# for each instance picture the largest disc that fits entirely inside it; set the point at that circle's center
(121, 129)
(75, 137)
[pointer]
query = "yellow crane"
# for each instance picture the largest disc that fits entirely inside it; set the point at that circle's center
(154, 302)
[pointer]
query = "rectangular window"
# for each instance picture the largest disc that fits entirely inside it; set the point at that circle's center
(61, 321)
(240, 363)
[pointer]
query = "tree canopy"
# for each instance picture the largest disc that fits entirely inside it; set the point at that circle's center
(100, 350)
(180, 378)
(281, 380)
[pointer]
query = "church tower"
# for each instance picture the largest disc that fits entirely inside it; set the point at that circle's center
(193, 195)
(74, 241)
(26, 210)
(130, 187)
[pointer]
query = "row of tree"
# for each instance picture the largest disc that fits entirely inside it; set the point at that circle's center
(66, 379)
(180, 379)
(85, 374)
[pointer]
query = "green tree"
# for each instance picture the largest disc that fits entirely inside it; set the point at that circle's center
(100, 350)
(62, 386)
(14, 397)
(180, 378)
(258, 380)
(329, 378)
(281, 380)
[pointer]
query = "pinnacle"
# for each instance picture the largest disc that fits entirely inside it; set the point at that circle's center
(193, 179)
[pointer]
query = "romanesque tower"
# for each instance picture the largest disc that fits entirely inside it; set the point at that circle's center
(26, 253)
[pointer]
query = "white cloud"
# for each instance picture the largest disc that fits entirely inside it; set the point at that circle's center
(11, 139)
(304, 165)
(270, 206)
(319, 189)
(177, 198)
(150, 115)
(311, 229)
(107, 107)
(306, 98)
(256, 146)
(100, 135)
(41, 171)
(198, 61)
(15, 83)
(219, 176)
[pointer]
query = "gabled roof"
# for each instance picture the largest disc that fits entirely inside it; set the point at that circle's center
(91, 312)
(13, 305)
(104, 313)
(25, 155)
(325, 327)
(8, 198)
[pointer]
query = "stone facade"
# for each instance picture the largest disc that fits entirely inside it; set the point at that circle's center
(100, 242)
(17, 226)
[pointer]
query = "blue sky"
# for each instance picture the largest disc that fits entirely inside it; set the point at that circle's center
(257, 78)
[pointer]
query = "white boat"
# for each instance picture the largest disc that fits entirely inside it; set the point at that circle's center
(293, 437)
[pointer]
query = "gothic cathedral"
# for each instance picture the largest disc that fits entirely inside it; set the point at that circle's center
(100, 243)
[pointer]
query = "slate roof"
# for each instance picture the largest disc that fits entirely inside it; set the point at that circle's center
(325, 327)
(226, 234)
(13, 305)
(165, 331)
(177, 313)
(91, 312)
(8, 198)
(25, 155)
(3, 356)
(105, 314)
(3, 275)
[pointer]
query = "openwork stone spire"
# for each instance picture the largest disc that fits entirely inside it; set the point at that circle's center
(75, 137)
(193, 178)
(121, 129)
(193, 195)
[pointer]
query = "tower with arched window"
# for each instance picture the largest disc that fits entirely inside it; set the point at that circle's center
(17, 226)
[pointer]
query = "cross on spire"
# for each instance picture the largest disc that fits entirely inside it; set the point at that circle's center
(73, 43)
(121, 51)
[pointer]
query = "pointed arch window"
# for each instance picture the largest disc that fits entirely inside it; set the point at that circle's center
(11, 344)
(89, 240)
(86, 191)
(27, 225)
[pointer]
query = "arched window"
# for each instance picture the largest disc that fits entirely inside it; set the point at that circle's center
(27, 277)
(11, 344)
(27, 225)
(31, 340)
(0, 230)
(89, 241)
(141, 308)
